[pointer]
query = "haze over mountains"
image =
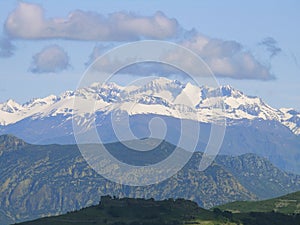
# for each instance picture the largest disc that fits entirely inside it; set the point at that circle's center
(252, 125)
(259, 151)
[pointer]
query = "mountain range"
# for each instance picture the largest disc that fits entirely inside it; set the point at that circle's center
(44, 180)
(163, 95)
(252, 125)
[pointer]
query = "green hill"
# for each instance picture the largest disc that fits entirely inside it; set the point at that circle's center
(129, 211)
(287, 204)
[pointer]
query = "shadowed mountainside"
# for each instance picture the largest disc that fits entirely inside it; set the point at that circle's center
(43, 180)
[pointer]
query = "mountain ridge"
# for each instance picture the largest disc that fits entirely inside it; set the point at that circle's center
(251, 125)
(43, 180)
(237, 105)
(10, 143)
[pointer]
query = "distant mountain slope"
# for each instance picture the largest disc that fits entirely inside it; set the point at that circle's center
(252, 125)
(268, 139)
(42, 180)
(128, 211)
(50, 179)
(4, 219)
(287, 204)
(260, 176)
(10, 143)
(166, 97)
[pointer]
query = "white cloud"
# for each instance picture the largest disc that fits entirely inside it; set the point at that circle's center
(225, 58)
(51, 59)
(28, 21)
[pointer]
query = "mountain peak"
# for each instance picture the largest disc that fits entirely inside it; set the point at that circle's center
(165, 97)
(164, 82)
(229, 91)
(10, 106)
(10, 143)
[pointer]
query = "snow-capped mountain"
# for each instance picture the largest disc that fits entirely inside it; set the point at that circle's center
(160, 96)
(252, 125)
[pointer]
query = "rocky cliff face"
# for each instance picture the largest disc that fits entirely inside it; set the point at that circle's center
(10, 143)
(53, 179)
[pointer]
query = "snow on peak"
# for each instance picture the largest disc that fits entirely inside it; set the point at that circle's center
(41, 101)
(229, 91)
(10, 106)
(291, 119)
(161, 96)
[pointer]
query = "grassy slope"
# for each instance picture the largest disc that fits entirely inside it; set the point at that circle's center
(137, 211)
(286, 204)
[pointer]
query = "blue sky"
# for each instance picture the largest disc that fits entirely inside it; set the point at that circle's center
(229, 35)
